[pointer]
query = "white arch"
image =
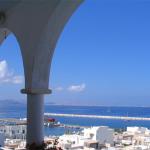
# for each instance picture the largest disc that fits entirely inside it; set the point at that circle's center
(37, 25)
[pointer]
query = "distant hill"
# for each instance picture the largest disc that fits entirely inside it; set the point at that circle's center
(11, 102)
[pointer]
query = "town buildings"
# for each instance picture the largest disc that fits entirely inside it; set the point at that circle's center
(93, 138)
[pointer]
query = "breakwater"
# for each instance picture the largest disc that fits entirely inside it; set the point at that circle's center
(99, 116)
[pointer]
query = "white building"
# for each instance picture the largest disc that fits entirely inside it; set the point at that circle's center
(91, 138)
(71, 141)
(2, 139)
(14, 131)
(102, 134)
(137, 130)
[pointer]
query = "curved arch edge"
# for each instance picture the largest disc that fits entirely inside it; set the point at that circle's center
(4, 33)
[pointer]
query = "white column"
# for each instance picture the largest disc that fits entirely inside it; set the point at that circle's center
(35, 118)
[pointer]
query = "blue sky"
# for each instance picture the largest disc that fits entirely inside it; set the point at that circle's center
(102, 57)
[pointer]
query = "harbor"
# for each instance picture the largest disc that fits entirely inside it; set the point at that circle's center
(14, 121)
(99, 116)
(23, 121)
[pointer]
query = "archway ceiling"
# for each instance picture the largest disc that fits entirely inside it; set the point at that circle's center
(7, 4)
(4, 7)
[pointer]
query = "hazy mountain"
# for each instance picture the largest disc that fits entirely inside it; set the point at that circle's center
(10, 102)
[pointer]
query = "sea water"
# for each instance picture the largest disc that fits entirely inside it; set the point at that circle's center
(19, 111)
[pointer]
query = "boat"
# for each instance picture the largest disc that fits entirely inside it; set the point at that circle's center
(50, 122)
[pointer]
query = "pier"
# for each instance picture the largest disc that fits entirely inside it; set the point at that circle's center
(99, 117)
(12, 121)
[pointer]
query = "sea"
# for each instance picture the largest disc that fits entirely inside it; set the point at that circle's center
(17, 110)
